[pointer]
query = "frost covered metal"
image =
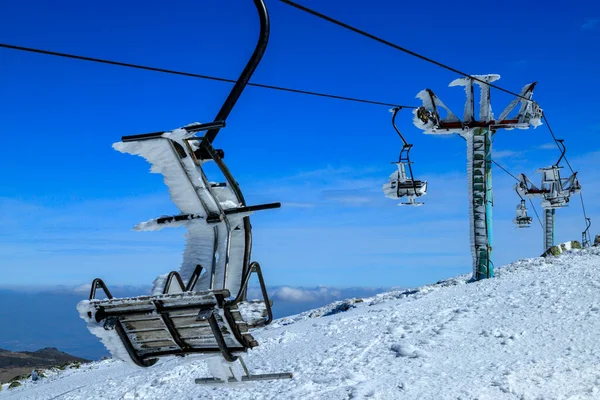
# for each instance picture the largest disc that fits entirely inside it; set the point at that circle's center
(522, 220)
(198, 309)
(434, 117)
(213, 212)
(554, 192)
(586, 237)
(202, 308)
(401, 182)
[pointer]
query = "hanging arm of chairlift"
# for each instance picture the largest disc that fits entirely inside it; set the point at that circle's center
(561, 143)
(244, 77)
(395, 111)
(518, 194)
(203, 151)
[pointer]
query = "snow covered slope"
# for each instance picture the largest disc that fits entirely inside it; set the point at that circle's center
(529, 333)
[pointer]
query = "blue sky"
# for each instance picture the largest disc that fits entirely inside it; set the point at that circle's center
(68, 200)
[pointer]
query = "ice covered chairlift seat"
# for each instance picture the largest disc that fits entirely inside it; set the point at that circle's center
(199, 316)
(522, 220)
(586, 238)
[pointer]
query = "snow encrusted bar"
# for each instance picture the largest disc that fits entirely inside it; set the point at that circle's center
(217, 246)
(480, 188)
(109, 338)
(480, 202)
(143, 323)
(548, 227)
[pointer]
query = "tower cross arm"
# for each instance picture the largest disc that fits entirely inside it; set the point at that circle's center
(428, 118)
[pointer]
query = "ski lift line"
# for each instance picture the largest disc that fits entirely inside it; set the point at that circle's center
(583, 206)
(194, 75)
(502, 168)
(398, 47)
(556, 141)
(427, 59)
(417, 55)
(536, 214)
(505, 170)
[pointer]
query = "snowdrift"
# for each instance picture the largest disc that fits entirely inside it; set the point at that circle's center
(529, 333)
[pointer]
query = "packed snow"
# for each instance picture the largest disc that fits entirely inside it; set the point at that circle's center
(528, 333)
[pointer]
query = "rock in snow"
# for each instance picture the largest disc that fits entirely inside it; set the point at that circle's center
(529, 333)
(559, 248)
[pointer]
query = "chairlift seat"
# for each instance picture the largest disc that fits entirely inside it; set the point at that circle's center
(523, 222)
(396, 189)
(201, 317)
(415, 187)
(179, 324)
(173, 324)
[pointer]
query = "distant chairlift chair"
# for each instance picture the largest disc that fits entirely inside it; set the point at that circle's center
(522, 220)
(202, 309)
(586, 238)
(401, 182)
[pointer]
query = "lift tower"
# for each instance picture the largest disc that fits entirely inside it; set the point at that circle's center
(478, 133)
(554, 191)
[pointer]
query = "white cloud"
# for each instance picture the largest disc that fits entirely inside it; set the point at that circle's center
(322, 294)
(85, 288)
(82, 290)
(347, 197)
(330, 171)
(547, 146)
(289, 294)
(505, 154)
(297, 204)
(590, 24)
(296, 295)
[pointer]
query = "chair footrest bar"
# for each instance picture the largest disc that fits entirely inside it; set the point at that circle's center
(247, 378)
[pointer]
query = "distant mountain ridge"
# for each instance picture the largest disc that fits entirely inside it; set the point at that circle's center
(13, 363)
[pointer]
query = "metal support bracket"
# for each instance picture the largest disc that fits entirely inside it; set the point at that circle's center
(255, 267)
(99, 283)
